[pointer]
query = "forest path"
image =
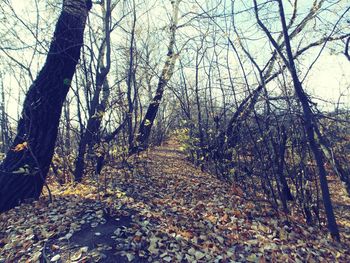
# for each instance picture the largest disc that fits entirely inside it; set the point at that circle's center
(162, 210)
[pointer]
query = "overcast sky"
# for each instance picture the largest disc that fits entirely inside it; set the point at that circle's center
(330, 78)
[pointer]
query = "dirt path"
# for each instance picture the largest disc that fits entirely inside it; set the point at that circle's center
(164, 210)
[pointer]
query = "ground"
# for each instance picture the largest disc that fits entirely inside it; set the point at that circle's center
(164, 210)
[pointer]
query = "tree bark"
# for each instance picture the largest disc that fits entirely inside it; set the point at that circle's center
(5, 131)
(98, 106)
(334, 162)
(311, 128)
(131, 80)
(25, 167)
(167, 73)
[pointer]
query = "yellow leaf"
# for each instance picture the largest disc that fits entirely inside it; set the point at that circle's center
(20, 147)
(147, 122)
(252, 258)
(283, 235)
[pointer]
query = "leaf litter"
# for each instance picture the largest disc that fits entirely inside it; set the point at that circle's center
(164, 210)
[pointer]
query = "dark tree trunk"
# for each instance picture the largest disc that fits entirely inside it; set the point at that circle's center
(25, 167)
(310, 127)
(346, 52)
(91, 134)
(80, 160)
(310, 123)
(131, 79)
(98, 106)
(5, 131)
(147, 123)
(200, 151)
(280, 164)
(333, 160)
(107, 139)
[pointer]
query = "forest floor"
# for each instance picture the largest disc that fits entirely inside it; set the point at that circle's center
(164, 210)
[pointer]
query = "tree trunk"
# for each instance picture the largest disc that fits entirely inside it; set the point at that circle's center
(5, 131)
(107, 139)
(25, 167)
(335, 163)
(98, 108)
(167, 73)
(280, 164)
(311, 128)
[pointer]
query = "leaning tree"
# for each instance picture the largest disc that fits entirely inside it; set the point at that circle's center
(25, 167)
(167, 73)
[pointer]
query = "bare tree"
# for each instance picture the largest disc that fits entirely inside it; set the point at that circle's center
(98, 105)
(167, 72)
(310, 121)
(25, 167)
